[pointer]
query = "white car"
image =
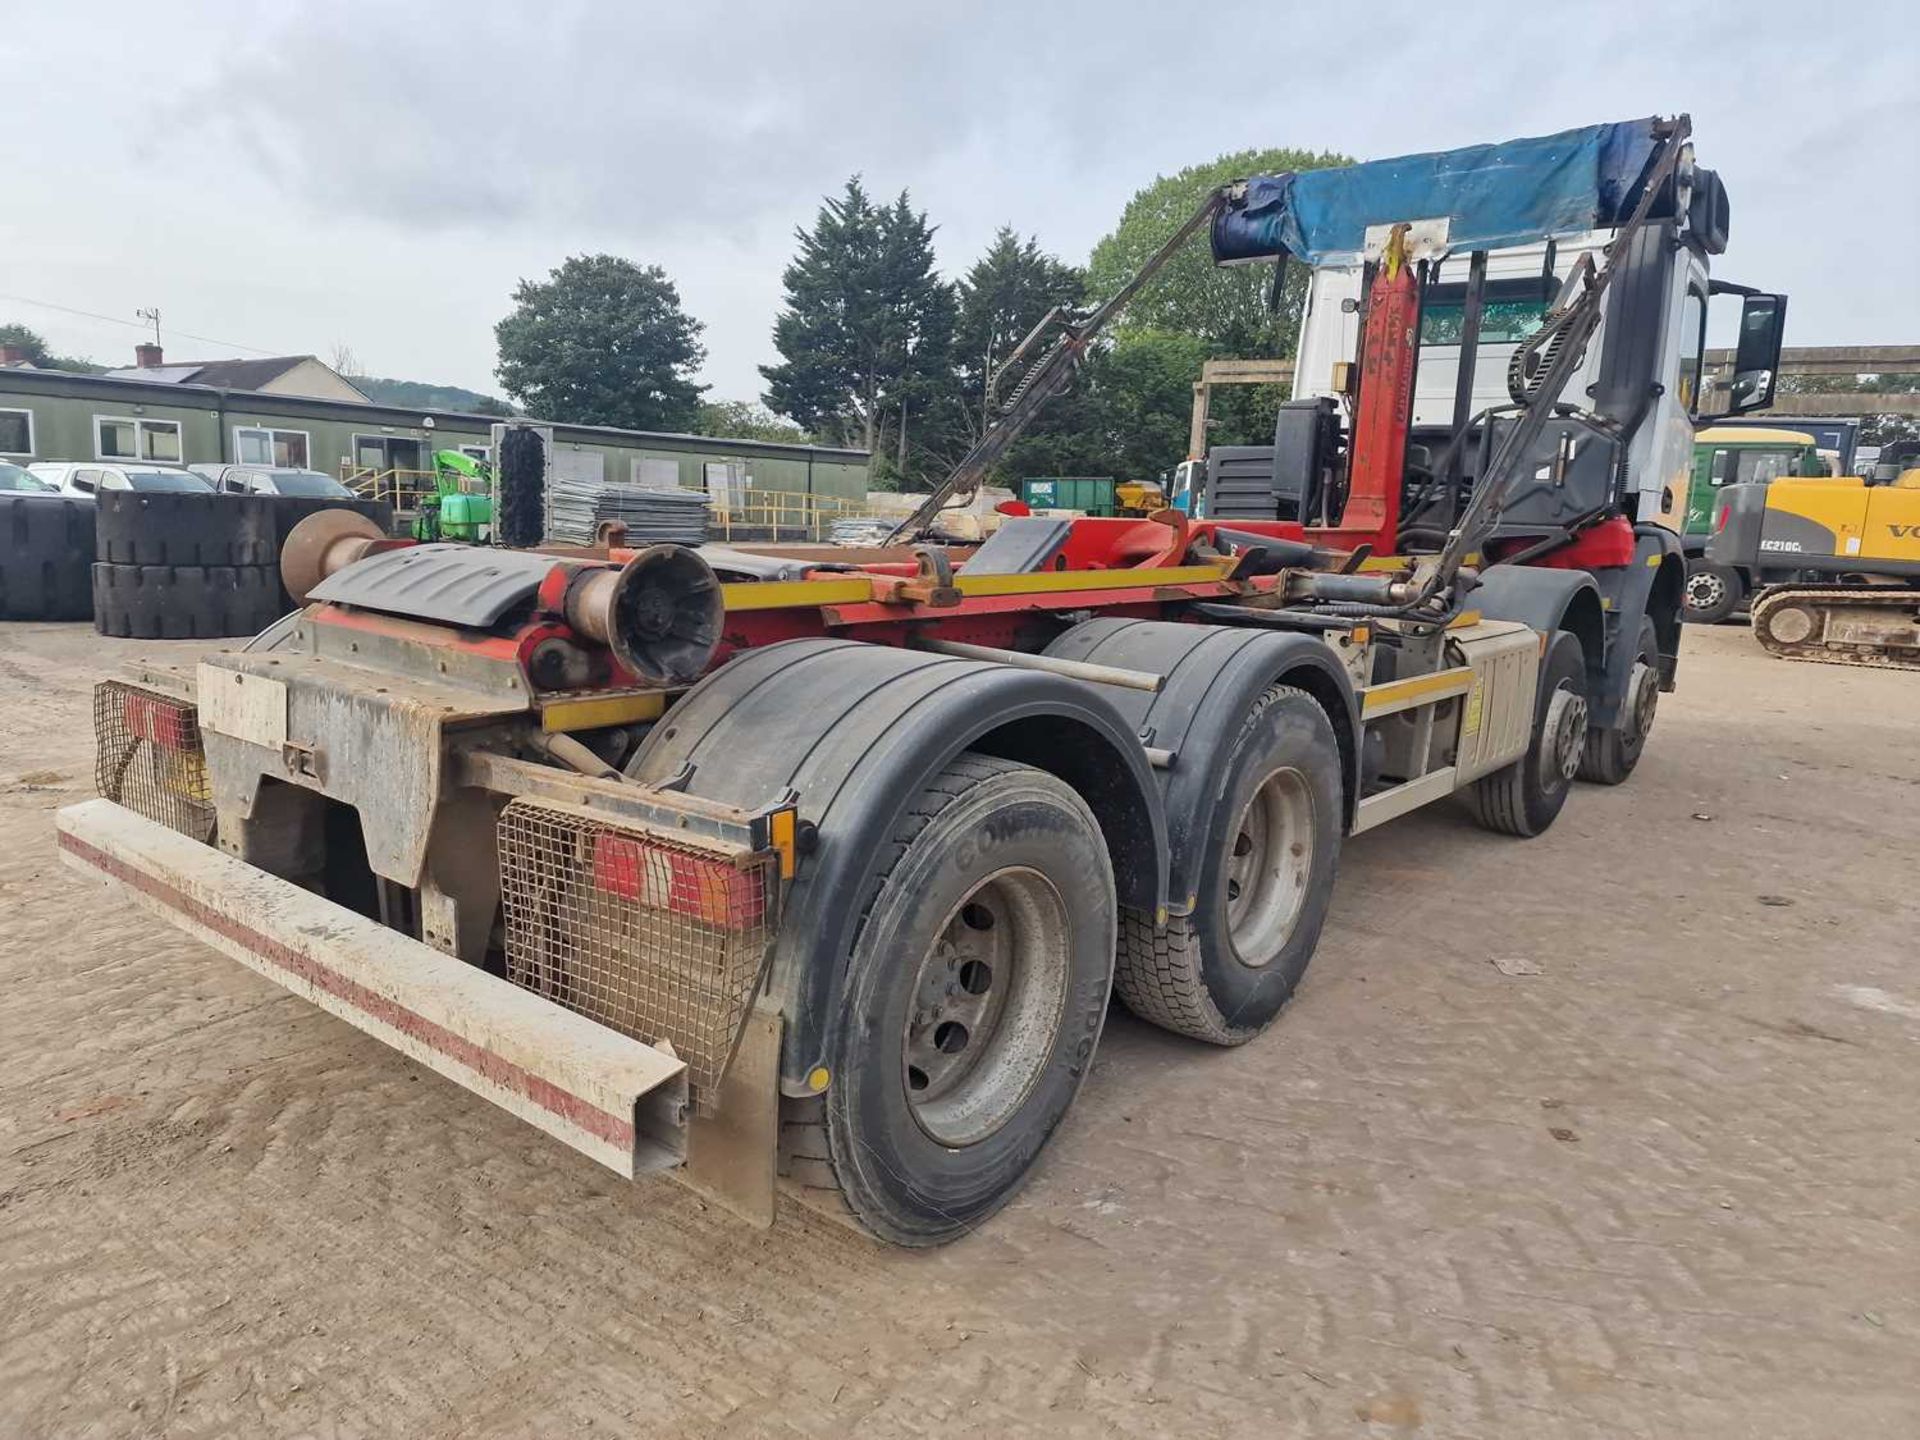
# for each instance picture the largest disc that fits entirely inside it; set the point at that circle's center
(17, 480)
(81, 477)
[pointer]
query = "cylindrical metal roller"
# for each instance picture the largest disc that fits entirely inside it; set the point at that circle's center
(659, 613)
(326, 541)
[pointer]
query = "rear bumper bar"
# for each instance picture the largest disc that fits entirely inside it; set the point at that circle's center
(615, 1099)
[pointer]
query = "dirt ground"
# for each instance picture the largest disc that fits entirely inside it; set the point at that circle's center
(1614, 1132)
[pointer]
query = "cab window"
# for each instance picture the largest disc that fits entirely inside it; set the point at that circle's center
(1760, 466)
(1693, 348)
(1502, 322)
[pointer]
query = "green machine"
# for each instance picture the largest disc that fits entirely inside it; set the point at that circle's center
(461, 507)
(1728, 455)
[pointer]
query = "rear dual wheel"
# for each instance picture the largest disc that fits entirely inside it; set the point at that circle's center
(1271, 840)
(976, 992)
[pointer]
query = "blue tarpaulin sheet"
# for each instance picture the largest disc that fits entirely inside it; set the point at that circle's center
(1512, 193)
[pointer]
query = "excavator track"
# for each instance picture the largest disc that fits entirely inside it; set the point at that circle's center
(1876, 625)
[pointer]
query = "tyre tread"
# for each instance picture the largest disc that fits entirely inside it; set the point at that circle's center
(1159, 973)
(807, 1169)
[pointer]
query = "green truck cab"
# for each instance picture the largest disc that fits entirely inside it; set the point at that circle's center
(1729, 455)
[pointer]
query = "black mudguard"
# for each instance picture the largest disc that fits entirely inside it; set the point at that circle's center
(1654, 584)
(1548, 599)
(855, 732)
(1214, 673)
(1603, 608)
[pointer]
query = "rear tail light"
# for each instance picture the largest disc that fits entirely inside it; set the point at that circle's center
(148, 757)
(168, 723)
(655, 936)
(662, 877)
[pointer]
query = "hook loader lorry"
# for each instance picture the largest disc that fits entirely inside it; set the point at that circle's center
(762, 871)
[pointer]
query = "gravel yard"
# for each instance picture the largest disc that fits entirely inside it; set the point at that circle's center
(1615, 1132)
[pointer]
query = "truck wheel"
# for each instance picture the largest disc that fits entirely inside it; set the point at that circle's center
(46, 557)
(1610, 755)
(1223, 973)
(1713, 592)
(170, 528)
(1524, 798)
(975, 995)
(184, 602)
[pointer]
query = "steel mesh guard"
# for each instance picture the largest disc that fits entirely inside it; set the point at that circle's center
(658, 939)
(148, 757)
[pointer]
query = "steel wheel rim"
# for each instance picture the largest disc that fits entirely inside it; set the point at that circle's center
(986, 1005)
(1566, 736)
(1705, 590)
(1268, 861)
(1645, 690)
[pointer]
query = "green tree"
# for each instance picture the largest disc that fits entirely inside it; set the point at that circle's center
(1224, 306)
(1126, 416)
(31, 343)
(1007, 292)
(866, 334)
(746, 420)
(602, 341)
(419, 395)
(38, 354)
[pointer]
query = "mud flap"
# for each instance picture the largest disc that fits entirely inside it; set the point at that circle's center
(614, 1099)
(733, 1154)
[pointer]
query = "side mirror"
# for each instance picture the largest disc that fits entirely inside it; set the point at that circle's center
(1756, 359)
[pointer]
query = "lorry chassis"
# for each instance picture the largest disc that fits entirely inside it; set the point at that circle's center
(410, 830)
(745, 866)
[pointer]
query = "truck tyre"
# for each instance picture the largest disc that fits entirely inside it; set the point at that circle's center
(184, 602)
(176, 529)
(1610, 755)
(289, 510)
(976, 990)
(1713, 592)
(1222, 973)
(1523, 798)
(46, 557)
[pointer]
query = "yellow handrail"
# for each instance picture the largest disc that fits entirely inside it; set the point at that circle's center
(769, 515)
(403, 488)
(785, 514)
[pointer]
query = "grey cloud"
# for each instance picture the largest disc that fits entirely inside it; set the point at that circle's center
(424, 156)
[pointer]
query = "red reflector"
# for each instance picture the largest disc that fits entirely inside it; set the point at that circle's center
(1720, 520)
(663, 878)
(166, 723)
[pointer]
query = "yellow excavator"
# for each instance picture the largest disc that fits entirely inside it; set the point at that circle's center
(1841, 561)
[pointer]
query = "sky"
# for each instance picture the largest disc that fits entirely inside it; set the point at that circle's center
(292, 176)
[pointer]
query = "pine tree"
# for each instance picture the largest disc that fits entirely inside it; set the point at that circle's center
(866, 336)
(1007, 292)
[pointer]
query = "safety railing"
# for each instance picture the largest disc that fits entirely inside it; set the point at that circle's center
(787, 515)
(402, 488)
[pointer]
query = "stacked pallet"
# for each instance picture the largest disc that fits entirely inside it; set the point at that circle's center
(577, 509)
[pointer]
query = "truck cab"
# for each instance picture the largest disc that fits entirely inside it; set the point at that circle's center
(1647, 384)
(1505, 397)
